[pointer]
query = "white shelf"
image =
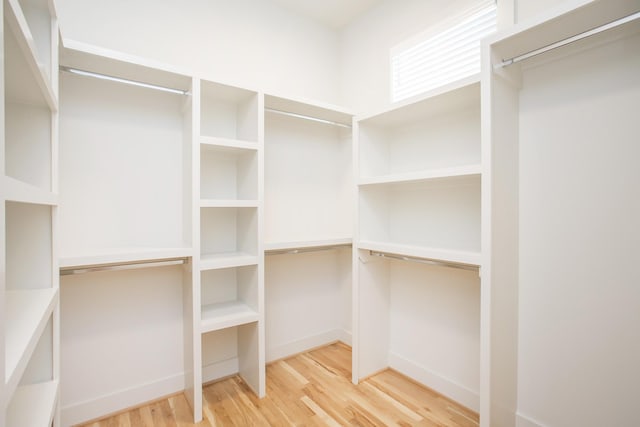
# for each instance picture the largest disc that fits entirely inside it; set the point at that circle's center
(33, 405)
(211, 203)
(227, 260)
(438, 254)
(307, 244)
(123, 255)
(226, 315)
(307, 108)
(19, 191)
(226, 144)
(27, 44)
(27, 314)
(423, 176)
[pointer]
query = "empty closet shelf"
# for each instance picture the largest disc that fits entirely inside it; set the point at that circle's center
(227, 260)
(441, 174)
(306, 246)
(436, 254)
(226, 144)
(27, 314)
(33, 405)
(226, 315)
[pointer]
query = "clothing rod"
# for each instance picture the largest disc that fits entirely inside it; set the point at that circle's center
(293, 251)
(122, 80)
(70, 271)
(302, 116)
(428, 261)
(568, 40)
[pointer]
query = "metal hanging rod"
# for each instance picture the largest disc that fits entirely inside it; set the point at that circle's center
(428, 261)
(568, 40)
(302, 116)
(70, 271)
(122, 80)
(304, 250)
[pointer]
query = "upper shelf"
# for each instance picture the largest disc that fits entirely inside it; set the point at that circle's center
(307, 245)
(18, 191)
(94, 59)
(27, 80)
(226, 144)
(454, 96)
(309, 109)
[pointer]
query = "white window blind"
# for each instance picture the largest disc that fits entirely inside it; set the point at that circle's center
(435, 59)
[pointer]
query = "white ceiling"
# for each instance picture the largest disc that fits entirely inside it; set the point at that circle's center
(334, 13)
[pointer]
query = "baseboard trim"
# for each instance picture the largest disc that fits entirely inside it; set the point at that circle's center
(443, 385)
(307, 343)
(525, 421)
(112, 403)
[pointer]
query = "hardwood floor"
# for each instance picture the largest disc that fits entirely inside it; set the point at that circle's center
(309, 389)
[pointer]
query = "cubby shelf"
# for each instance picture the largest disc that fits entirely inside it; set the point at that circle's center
(27, 314)
(26, 42)
(33, 405)
(423, 176)
(226, 144)
(226, 315)
(437, 254)
(227, 260)
(231, 203)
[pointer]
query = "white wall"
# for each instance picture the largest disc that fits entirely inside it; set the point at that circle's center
(251, 43)
(367, 41)
(526, 9)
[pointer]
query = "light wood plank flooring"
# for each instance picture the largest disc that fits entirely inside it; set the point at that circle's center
(309, 389)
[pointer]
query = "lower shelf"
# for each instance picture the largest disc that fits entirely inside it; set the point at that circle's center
(33, 405)
(227, 260)
(438, 254)
(27, 315)
(226, 315)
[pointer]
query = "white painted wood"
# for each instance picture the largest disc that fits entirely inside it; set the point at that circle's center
(225, 230)
(123, 255)
(559, 230)
(227, 144)
(228, 172)
(232, 203)
(18, 191)
(326, 243)
(307, 107)
(463, 257)
(422, 176)
(36, 52)
(28, 312)
(228, 112)
(226, 315)
(227, 260)
(33, 405)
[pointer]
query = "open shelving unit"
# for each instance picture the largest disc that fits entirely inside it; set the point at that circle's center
(29, 327)
(126, 185)
(227, 323)
(308, 225)
(417, 241)
(560, 143)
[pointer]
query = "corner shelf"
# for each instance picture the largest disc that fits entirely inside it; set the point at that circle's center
(226, 315)
(33, 405)
(27, 314)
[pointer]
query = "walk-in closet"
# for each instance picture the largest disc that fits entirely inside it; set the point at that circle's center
(291, 212)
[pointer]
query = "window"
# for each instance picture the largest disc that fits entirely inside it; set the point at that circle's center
(434, 59)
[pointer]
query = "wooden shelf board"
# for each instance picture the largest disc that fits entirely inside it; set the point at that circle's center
(307, 244)
(437, 254)
(227, 260)
(27, 314)
(309, 108)
(19, 191)
(218, 203)
(33, 405)
(226, 315)
(226, 144)
(459, 94)
(123, 255)
(27, 44)
(424, 176)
